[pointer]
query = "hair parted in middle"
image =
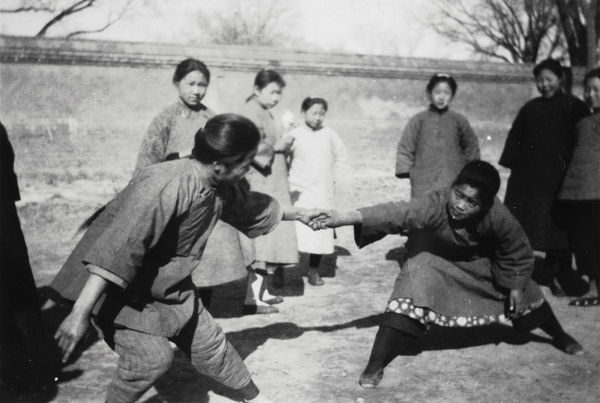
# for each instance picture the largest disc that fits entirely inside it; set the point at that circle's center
(187, 66)
(441, 78)
(310, 101)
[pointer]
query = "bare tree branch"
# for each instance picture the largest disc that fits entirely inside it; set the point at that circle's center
(26, 6)
(58, 10)
(515, 31)
(260, 22)
(25, 10)
(109, 23)
(80, 5)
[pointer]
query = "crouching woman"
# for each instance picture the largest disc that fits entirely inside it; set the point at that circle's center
(469, 264)
(130, 275)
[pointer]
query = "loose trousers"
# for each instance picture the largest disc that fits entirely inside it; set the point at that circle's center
(143, 357)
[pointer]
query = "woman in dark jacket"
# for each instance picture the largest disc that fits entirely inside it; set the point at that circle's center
(579, 197)
(537, 151)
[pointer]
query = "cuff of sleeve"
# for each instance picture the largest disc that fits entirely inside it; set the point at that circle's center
(358, 235)
(107, 275)
(512, 283)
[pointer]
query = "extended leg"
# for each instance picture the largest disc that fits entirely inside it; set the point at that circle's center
(544, 318)
(212, 355)
(398, 335)
(143, 358)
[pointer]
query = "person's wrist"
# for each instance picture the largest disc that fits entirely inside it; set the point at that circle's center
(81, 310)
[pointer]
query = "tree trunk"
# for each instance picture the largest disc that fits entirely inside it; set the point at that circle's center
(574, 30)
(589, 12)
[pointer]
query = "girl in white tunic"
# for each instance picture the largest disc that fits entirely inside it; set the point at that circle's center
(318, 158)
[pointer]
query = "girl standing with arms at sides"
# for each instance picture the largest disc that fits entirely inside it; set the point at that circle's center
(473, 267)
(436, 143)
(268, 174)
(538, 147)
(579, 196)
(318, 158)
(171, 136)
(130, 275)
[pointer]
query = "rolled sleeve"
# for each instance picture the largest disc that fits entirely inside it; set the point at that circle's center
(107, 275)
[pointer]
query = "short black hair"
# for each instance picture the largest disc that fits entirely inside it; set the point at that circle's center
(595, 73)
(482, 176)
(548, 64)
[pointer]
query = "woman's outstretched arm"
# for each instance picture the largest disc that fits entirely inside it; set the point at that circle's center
(334, 219)
(305, 216)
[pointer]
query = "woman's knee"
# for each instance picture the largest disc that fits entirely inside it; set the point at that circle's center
(142, 355)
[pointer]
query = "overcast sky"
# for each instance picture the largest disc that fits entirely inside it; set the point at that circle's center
(395, 27)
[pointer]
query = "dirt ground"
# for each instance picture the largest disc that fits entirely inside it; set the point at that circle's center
(315, 348)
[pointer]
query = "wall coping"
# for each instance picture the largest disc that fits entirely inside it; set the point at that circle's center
(16, 49)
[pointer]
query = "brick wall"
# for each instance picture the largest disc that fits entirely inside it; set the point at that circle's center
(93, 100)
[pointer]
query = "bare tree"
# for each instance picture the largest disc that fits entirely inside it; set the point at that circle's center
(58, 10)
(257, 22)
(516, 31)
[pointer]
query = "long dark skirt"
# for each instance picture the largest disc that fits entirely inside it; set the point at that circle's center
(433, 290)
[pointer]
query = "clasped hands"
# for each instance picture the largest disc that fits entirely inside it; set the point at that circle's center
(318, 219)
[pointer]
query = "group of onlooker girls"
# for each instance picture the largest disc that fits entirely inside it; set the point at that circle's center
(553, 156)
(144, 248)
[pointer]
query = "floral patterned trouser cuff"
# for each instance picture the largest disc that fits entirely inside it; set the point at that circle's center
(404, 306)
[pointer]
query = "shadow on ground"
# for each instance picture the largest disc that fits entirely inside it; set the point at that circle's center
(227, 300)
(37, 367)
(183, 383)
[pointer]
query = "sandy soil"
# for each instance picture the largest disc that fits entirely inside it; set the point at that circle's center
(316, 347)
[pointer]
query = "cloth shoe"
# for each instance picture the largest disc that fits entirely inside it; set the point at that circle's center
(273, 301)
(568, 344)
(259, 309)
(315, 279)
(369, 381)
